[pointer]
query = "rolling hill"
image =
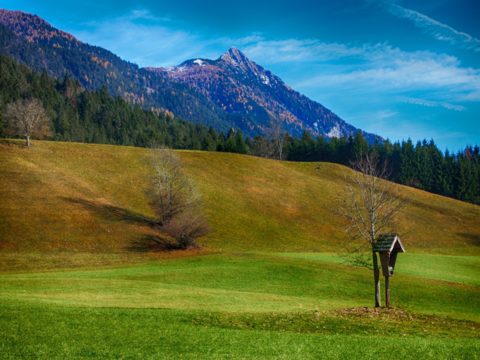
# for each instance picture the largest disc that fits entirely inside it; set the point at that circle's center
(78, 279)
(91, 198)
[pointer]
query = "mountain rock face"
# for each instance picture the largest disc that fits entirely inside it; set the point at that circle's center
(253, 95)
(231, 91)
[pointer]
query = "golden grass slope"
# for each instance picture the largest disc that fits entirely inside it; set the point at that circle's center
(70, 197)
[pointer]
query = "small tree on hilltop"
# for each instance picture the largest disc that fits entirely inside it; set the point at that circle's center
(260, 146)
(278, 136)
(175, 201)
(370, 205)
(27, 118)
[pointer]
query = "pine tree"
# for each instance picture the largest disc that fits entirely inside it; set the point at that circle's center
(230, 141)
(240, 145)
(407, 164)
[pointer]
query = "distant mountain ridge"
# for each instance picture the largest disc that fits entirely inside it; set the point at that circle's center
(231, 91)
(244, 89)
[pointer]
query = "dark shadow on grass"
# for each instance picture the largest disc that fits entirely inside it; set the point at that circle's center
(147, 243)
(19, 143)
(111, 212)
(415, 201)
(152, 243)
(472, 239)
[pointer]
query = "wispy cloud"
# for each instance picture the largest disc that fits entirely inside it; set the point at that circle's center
(430, 103)
(374, 68)
(148, 40)
(145, 39)
(435, 28)
(391, 70)
(299, 50)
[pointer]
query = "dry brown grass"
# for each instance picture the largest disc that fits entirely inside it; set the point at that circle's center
(72, 197)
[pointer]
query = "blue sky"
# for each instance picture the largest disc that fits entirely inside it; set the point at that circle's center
(396, 68)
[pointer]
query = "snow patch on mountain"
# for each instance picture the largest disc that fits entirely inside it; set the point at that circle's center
(335, 132)
(265, 79)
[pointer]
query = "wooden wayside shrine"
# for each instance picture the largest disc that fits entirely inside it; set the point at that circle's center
(388, 246)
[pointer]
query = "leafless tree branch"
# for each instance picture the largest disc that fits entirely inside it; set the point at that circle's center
(27, 118)
(369, 205)
(174, 199)
(277, 136)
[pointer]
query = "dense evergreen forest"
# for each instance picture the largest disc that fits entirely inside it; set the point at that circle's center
(97, 117)
(421, 165)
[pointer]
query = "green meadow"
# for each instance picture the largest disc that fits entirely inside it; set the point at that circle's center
(79, 279)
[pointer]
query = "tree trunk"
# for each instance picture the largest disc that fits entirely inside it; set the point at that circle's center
(387, 291)
(376, 276)
(28, 140)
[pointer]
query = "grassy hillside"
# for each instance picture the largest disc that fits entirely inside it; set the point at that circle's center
(91, 198)
(266, 283)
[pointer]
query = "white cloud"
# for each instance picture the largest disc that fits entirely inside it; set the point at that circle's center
(435, 28)
(385, 114)
(373, 67)
(430, 103)
(391, 70)
(145, 39)
(298, 50)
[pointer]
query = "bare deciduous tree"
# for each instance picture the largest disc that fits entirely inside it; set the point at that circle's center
(174, 199)
(27, 118)
(186, 228)
(260, 146)
(171, 191)
(277, 135)
(370, 205)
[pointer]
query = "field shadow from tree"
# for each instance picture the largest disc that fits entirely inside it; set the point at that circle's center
(471, 239)
(152, 243)
(430, 206)
(13, 142)
(146, 242)
(111, 212)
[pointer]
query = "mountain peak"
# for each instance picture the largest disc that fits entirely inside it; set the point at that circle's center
(235, 57)
(32, 27)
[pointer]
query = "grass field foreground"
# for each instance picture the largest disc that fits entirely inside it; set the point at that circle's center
(77, 279)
